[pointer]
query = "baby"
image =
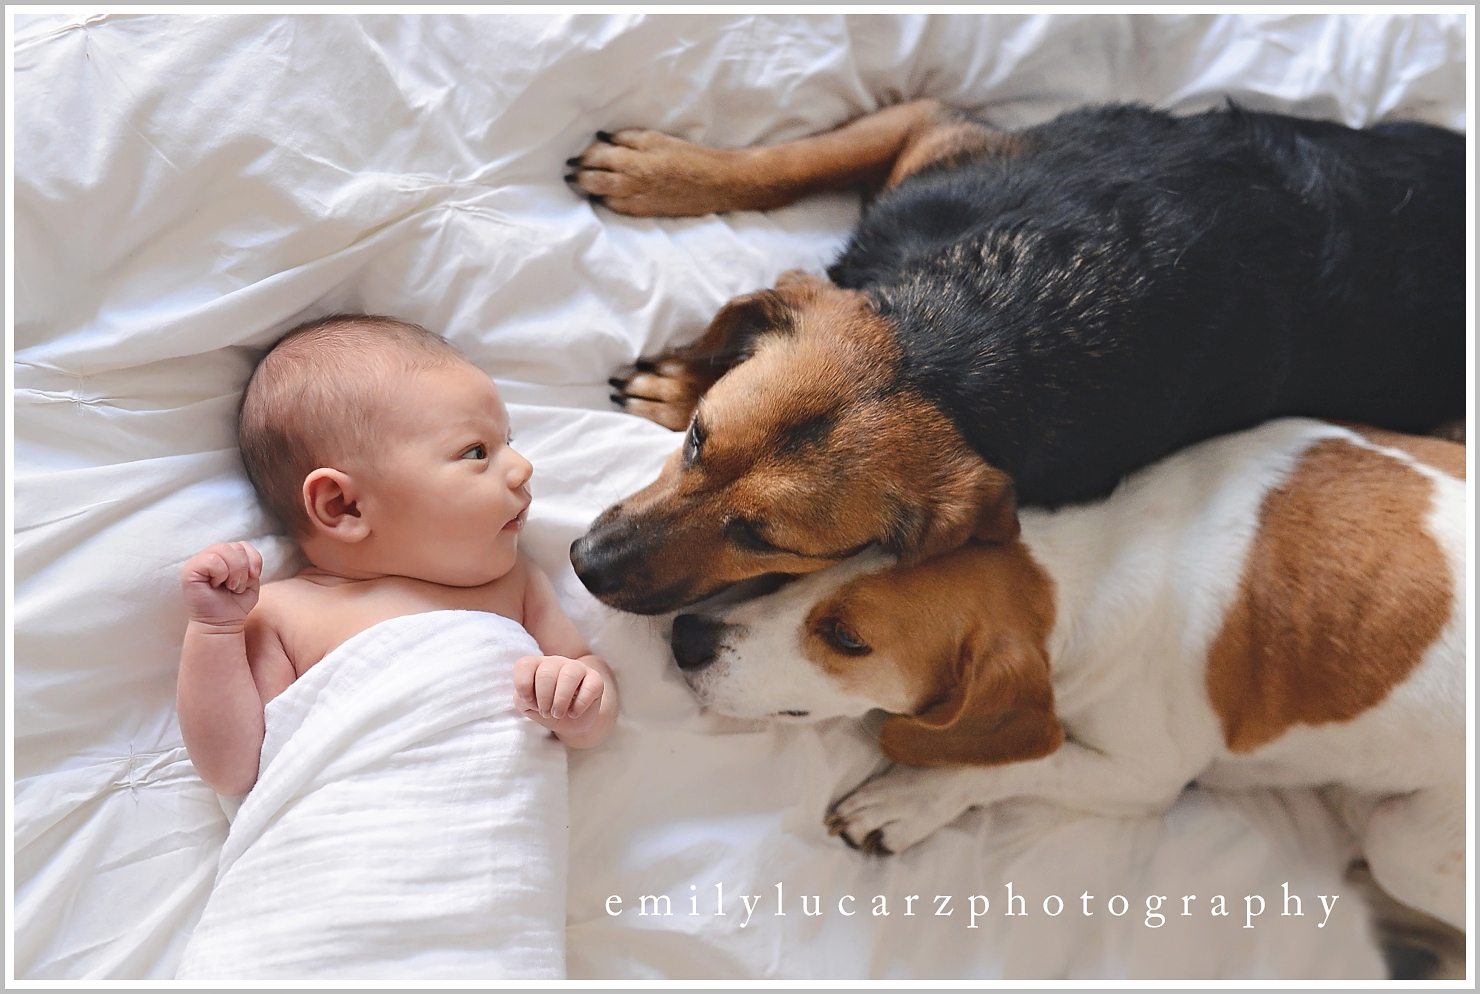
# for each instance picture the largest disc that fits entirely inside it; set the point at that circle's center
(387, 456)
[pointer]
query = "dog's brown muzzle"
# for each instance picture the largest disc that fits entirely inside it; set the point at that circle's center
(614, 561)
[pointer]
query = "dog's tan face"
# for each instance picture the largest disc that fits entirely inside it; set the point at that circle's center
(954, 647)
(802, 455)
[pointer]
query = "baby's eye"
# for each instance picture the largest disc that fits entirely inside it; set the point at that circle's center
(479, 451)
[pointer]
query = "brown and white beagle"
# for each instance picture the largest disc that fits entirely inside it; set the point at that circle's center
(1284, 606)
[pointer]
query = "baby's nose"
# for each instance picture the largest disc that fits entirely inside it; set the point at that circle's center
(522, 472)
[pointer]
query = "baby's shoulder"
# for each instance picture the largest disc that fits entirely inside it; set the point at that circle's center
(281, 601)
(297, 617)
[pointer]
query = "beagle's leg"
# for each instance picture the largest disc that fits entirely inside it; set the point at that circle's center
(1415, 847)
(905, 805)
(649, 174)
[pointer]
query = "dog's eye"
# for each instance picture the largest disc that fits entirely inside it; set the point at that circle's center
(844, 639)
(693, 442)
(743, 533)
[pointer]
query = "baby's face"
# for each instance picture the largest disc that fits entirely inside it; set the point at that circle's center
(448, 495)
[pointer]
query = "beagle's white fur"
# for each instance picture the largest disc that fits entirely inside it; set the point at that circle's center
(1284, 606)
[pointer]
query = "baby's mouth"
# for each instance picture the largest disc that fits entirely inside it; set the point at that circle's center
(516, 523)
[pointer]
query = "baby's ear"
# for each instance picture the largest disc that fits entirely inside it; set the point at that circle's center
(331, 502)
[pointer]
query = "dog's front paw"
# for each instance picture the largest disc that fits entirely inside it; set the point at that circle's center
(649, 174)
(665, 390)
(889, 814)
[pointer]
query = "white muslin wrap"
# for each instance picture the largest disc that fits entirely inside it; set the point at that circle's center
(407, 822)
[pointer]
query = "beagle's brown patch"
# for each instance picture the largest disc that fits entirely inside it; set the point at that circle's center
(1343, 591)
(956, 647)
(1441, 453)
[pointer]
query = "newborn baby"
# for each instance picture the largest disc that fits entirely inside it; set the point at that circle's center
(387, 456)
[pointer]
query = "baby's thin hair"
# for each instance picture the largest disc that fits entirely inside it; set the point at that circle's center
(315, 400)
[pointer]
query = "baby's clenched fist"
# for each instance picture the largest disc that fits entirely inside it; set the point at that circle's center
(559, 693)
(221, 583)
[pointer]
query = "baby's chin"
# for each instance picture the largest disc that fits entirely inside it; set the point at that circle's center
(479, 573)
(501, 563)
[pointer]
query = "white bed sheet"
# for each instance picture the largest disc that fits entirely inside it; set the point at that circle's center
(189, 187)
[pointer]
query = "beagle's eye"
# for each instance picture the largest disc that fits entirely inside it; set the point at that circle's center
(743, 533)
(693, 442)
(844, 639)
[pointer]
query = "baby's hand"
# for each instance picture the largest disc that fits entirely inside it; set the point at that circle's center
(220, 584)
(559, 693)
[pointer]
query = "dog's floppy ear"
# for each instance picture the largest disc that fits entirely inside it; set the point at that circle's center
(735, 328)
(981, 505)
(996, 508)
(999, 710)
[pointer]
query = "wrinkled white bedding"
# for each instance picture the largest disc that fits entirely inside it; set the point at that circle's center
(189, 187)
(406, 823)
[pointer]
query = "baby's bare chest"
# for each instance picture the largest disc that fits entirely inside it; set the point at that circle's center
(312, 622)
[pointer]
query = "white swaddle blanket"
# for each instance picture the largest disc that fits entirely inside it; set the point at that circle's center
(407, 822)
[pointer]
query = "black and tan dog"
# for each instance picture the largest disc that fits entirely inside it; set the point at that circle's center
(1023, 316)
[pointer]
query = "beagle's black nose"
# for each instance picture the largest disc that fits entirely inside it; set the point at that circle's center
(592, 567)
(695, 638)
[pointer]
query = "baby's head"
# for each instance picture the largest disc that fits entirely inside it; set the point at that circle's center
(384, 451)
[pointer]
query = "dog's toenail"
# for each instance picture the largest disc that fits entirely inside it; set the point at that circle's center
(604, 136)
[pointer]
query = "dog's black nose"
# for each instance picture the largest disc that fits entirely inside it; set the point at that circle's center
(695, 638)
(588, 562)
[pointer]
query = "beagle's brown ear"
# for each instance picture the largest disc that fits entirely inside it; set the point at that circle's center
(981, 505)
(1000, 710)
(996, 509)
(735, 328)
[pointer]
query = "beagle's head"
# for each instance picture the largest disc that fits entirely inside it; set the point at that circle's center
(953, 647)
(803, 454)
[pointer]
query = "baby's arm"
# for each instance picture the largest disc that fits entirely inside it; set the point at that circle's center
(230, 664)
(569, 690)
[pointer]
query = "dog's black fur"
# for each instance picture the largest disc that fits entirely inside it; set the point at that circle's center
(1127, 282)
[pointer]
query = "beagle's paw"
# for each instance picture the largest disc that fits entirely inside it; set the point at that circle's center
(649, 174)
(890, 813)
(665, 390)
